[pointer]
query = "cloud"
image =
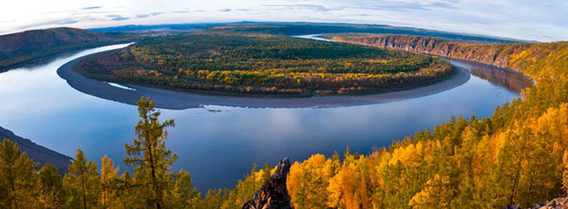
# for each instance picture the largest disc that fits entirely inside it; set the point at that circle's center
(410, 5)
(149, 15)
(89, 8)
(313, 7)
(524, 19)
(117, 17)
(186, 11)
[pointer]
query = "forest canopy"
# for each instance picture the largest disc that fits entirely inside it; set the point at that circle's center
(261, 64)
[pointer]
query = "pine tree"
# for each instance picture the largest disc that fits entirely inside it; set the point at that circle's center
(51, 187)
(149, 157)
(125, 192)
(184, 194)
(82, 183)
(109, 180)
(17, 177)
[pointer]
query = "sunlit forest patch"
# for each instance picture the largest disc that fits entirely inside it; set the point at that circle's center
(261, 64)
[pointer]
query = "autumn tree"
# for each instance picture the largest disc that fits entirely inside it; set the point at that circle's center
(565, 173)
(51, 187)
(149, 156)
(184, 195)
(109, 186)
(81, 183)
(18, 178)
(308, 181)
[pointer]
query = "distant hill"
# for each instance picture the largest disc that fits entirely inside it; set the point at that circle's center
(302, 28)
(37, 152)
(18, 48)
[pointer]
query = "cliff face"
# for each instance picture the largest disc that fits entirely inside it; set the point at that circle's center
(274, 194)
(527, 58)
(37, 152)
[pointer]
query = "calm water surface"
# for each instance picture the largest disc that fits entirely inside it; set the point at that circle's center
(219, 144)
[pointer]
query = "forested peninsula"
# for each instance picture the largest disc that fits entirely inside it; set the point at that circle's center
(247, 64)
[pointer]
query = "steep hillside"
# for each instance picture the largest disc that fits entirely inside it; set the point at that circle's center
(37, 152)
(21, 47)
(519, 156)
(531, 59)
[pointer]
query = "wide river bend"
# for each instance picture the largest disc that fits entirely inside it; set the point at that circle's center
(218, 139)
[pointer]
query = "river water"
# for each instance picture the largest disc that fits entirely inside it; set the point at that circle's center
(218, 144)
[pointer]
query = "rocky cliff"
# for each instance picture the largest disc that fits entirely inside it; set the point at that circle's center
(527, 58)
(495, 54)
(274, 194)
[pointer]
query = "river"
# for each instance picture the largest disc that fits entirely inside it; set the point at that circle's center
(218, 142)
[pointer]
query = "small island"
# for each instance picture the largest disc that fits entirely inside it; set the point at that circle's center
(253, 64)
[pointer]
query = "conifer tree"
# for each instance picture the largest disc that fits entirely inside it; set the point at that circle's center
(82, 183)
(51, 187)
(109, 180)
(149, 156)
(184, 194)
(18, 178)
(125, 192)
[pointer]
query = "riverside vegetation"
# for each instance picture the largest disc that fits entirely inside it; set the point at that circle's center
(262, 64)
(517, 156)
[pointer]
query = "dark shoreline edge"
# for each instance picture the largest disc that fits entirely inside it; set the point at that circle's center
(37, 152)
(51, 56)
(170, 99)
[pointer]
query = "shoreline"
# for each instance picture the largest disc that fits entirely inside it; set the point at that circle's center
(177, 100)
(50, 56)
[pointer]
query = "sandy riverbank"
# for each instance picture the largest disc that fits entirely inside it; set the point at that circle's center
(169, 99)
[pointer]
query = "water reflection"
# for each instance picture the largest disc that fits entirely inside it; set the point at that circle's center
(218, 144)
(503, 77)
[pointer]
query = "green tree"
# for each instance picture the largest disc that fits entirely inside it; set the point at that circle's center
(82, 183)
(184, 194)
(148, 155)
(51, 187)
(17, 177)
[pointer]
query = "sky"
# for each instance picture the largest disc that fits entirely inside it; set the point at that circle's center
(540, 20)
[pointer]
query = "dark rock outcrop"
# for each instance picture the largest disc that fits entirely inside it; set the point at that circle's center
(274, 194)
(558, 203)
(37, 152)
